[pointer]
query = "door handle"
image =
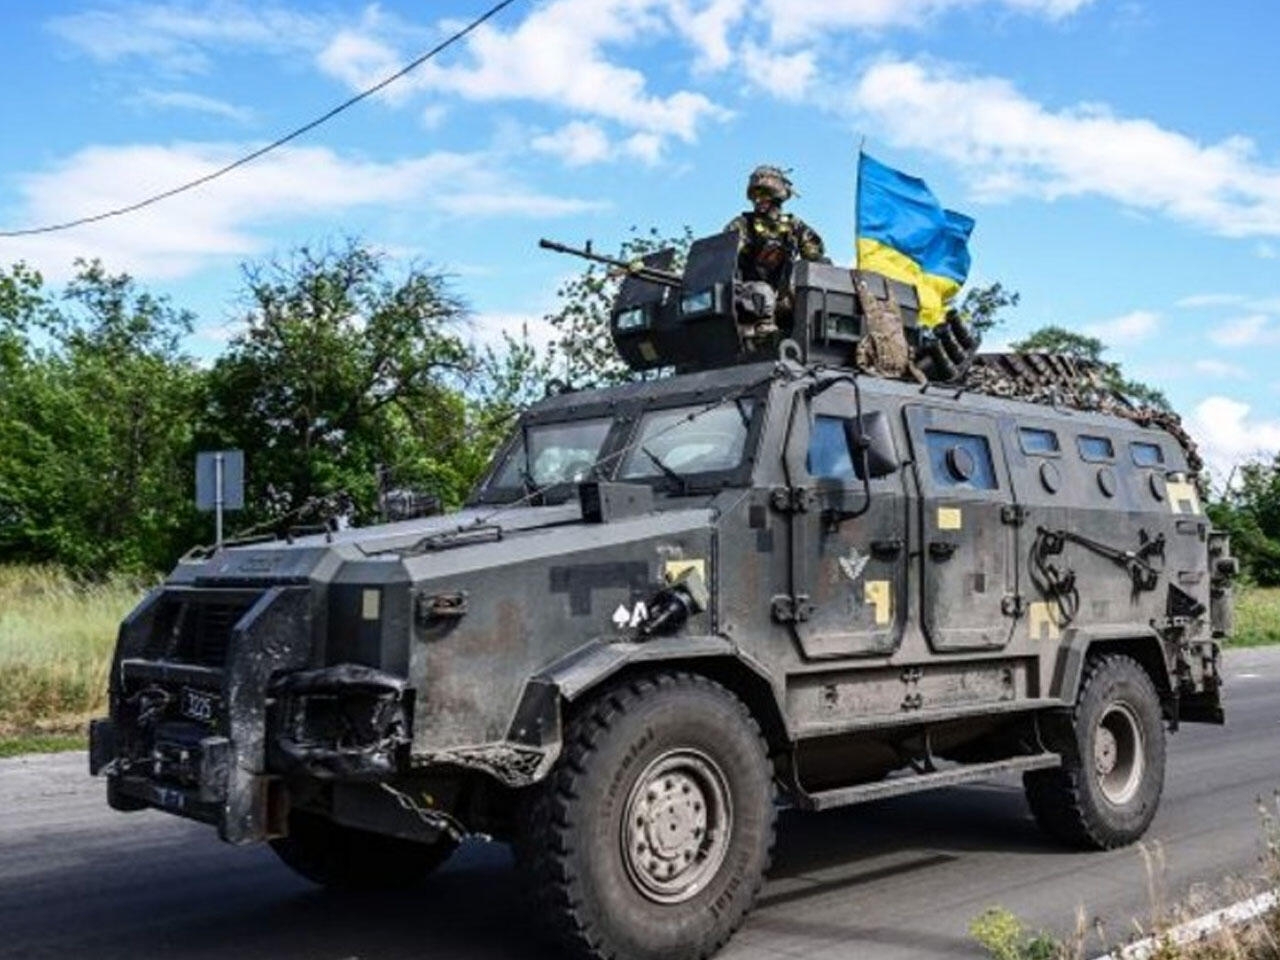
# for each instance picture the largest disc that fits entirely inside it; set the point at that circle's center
(941, 549)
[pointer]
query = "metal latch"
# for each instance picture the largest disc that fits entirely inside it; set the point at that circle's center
(1013, 514)
(1012, 605)
(791, 499)
(788, 609)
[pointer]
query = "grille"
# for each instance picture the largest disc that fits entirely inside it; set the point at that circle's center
(205, 632)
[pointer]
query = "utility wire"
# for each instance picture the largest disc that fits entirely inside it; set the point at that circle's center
(293, 135)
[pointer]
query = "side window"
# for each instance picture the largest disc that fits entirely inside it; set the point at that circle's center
(1034, 440)
(961, 460)
(829, 450)
(1146, 454)
(1095, 449)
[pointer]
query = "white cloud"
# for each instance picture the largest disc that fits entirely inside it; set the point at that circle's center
(1210, 300)
(1256, 328)
(576, 144)
(229, 218)
(179, 36)
(557, 55)
(1010, 145)
(183, 100)
(1130, 328)
(1219, 368)
(787, 76)
(708, 29)
(1229, 436)
(579, 143)
(792, 20)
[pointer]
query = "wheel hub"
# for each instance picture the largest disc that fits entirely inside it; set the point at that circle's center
(676, 831)
(1119, 757)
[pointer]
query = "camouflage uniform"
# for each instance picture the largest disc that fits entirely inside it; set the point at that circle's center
(770, 242)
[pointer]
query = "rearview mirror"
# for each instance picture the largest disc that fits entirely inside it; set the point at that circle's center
(871, 433)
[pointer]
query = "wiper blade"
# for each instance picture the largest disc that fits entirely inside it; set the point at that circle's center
(682, 484)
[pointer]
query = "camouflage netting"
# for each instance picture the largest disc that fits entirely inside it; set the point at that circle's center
(1062, 381)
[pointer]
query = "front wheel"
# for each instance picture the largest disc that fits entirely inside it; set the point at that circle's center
(651, 837)
(1107, 791)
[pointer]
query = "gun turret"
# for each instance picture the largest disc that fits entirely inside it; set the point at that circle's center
(634, 268)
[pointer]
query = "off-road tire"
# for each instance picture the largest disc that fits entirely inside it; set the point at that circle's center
(1071, 803)
(343, 858)
(590, 891)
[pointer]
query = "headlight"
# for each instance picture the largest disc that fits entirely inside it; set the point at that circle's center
(633, 319)
(700, 302)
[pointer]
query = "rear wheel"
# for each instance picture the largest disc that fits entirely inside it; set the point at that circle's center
(651, 837)
(344, 858)
(1107, 791)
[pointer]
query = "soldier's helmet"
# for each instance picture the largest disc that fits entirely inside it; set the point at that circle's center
(772, 182)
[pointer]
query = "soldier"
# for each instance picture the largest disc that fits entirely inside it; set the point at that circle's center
(769, 242)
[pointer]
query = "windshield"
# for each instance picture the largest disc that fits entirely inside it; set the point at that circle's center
(558, 453)
(713, 440)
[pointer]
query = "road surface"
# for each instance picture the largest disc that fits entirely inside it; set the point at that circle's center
(895, 879)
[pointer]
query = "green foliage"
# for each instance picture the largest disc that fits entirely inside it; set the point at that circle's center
(1249, 509)
(341, 370)
(1056, 339)
(981, 307)
(1004, 937)
(582, 353)
(97, 407)
(56, 638)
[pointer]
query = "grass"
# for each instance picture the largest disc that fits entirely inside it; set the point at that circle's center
(1257, 617)
(1005, 937)
(56, 638)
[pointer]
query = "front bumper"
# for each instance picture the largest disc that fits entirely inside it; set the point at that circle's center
(191, 738)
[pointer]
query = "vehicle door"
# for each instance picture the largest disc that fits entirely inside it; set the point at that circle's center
(968, 553)
(857, 570)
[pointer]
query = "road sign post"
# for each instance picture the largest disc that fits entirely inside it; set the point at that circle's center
(219, 484)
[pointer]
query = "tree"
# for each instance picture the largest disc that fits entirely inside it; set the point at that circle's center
(97, 411)
(582, 353)
(981, 307)
(1056, 339)
(1249, 510)
(342, 371)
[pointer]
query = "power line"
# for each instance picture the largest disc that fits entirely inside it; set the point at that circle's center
(293, 135)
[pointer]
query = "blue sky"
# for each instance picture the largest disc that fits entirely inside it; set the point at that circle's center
(1121, 157)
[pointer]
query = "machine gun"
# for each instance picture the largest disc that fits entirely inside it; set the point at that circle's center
(635, 268)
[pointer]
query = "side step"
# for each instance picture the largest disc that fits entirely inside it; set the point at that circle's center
(913, 783)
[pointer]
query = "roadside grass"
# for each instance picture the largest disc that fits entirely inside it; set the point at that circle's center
(1257, 617)
(56, 638)
(1005, 937)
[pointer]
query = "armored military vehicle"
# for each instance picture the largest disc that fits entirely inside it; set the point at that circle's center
(767, 577)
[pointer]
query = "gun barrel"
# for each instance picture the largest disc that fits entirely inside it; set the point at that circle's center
(635, 269)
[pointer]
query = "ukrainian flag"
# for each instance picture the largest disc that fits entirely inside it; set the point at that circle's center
(904, 233)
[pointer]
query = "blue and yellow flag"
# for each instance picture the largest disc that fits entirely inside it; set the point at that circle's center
(904, 233)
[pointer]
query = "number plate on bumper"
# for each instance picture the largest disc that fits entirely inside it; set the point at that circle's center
(199, 705)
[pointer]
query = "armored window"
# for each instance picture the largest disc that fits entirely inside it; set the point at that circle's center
(961, 460)
(1037, 441)
(1147, 454)
(829, 456)
(689, 440)
(1095, 449)
(557, 453)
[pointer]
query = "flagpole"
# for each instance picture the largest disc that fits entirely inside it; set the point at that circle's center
(857, 199)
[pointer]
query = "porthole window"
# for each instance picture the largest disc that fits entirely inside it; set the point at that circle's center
(1147, 454)
(1096, 449)
(1035, 440)
(961, 460)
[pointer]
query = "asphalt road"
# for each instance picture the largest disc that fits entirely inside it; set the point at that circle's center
(899, 878)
